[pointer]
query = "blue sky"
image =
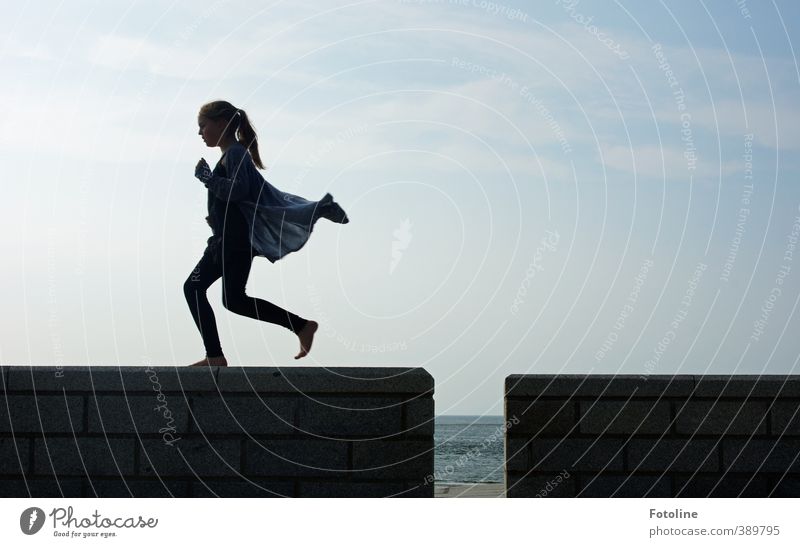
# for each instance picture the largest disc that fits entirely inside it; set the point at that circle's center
(548, 189)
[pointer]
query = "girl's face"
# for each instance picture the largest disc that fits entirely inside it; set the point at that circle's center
(210, 130)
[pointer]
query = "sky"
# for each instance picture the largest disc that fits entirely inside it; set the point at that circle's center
(565, 187)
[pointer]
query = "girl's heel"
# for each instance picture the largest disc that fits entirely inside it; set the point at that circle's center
(211, 361)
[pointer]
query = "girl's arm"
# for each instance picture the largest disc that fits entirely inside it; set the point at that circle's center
(233, 188)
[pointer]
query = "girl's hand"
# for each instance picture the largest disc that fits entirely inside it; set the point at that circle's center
(202, 171)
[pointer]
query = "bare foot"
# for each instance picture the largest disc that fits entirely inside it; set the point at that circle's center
(306, 336)
(211, 361)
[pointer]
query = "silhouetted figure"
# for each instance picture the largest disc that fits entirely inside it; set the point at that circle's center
(248, 217)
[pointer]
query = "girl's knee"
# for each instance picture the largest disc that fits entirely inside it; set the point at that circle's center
(191, 286)
(234, 302)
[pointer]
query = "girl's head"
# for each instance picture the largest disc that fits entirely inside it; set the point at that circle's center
(220, 121)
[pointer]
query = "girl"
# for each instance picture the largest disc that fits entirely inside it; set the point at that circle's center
(248, 217)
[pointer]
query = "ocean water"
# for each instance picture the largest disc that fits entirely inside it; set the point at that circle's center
(468, 449)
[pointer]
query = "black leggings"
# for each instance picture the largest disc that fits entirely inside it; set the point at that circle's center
(234, 270)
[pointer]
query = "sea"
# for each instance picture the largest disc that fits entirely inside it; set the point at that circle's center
(468, 449)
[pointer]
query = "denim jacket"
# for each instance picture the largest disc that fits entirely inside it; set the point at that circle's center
(276, 223)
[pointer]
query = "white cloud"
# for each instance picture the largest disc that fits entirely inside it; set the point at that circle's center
(664, 162)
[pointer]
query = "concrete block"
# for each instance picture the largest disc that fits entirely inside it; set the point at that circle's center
(351, 489)
(305, 380)
(244, 413)
(761, 455)
(540, 485)
(112, 378)
(672, 455)
(138, 414)
(132, 487)
(328, 416)
(576, 454)
(785, 487)
(721, 418)
(41, 413)
(420, 418)
(517, 454)
(417, 489)
(296, 458)
(38, 379)
(82, 456)
(722, 486)
(597, 385)
(624, 417)
(243, 487)
(190, 457)
(624, 486)
(744, 385)
(41, 488)
(542, 417)
(392, 459)
(785, 418)
(15, 455)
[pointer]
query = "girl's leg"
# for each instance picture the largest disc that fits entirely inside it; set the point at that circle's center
(235, 271)
(205, 273)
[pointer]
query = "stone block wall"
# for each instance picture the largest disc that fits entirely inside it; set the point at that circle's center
(229, 432)
(652, 436)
